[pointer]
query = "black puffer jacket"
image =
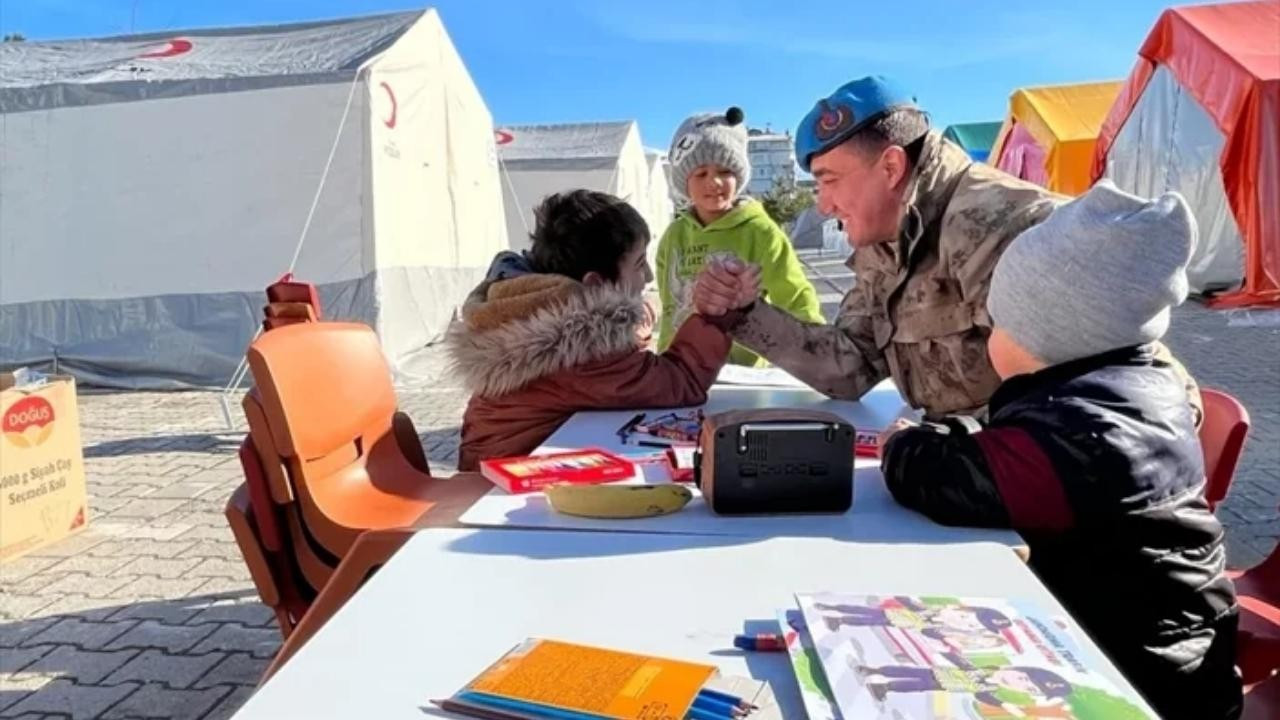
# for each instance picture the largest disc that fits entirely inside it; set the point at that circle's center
(1097, 464)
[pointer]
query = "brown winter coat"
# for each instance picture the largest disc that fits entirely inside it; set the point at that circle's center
(535, 349)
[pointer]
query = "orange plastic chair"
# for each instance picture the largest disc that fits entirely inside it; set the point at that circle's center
(315, 562)
(1222, 436)
(342, 470)
(289, 302)
(370, 552)
(303, 584)
(257, 520)
(353, 462)
(272, 567)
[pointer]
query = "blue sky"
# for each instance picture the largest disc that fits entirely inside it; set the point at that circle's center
(658, 60)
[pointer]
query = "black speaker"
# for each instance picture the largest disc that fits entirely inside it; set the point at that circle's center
(758, 462)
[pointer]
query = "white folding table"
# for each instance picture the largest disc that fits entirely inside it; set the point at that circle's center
(452, 601)
(874, 516)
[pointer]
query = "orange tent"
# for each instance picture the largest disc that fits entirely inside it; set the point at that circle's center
(1049, 134)
(1216, 67)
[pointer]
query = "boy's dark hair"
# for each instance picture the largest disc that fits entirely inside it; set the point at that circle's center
(583, 231)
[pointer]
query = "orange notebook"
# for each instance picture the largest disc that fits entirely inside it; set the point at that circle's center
(582, 679)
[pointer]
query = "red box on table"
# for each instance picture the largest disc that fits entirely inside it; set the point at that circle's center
(534, 472)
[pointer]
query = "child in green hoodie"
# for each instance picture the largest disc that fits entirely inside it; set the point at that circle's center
(709, 167)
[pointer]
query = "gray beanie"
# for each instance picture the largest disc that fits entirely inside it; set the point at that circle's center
(708, 139)
(1100, 273)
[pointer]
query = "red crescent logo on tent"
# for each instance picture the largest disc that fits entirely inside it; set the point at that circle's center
(171, 48)
(502, 137)
(391, 121)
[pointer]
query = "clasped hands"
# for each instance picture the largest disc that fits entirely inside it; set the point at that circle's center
(725, 285)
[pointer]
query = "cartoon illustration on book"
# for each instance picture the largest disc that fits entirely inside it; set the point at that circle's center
(815, 692)
(944, 657)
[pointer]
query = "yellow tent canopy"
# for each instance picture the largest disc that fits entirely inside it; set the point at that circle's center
(1063, 122)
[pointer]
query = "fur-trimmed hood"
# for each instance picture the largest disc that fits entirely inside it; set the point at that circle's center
(526, 326)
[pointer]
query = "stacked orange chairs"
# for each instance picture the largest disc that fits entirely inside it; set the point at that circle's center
(290, 301)
(335, 476)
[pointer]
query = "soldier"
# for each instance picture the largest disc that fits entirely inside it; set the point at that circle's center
(928, 225)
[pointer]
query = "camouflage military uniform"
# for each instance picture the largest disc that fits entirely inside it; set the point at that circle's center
(918, 309)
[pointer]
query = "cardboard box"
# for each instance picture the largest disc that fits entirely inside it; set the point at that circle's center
(42, 483)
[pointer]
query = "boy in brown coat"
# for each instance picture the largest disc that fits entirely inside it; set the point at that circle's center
(564, 328)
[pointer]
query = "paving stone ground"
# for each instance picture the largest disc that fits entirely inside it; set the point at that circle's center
(150, 612)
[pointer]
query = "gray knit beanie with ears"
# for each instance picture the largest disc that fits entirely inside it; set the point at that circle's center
(709, 139)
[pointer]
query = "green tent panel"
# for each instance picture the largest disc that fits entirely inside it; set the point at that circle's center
(975, 138)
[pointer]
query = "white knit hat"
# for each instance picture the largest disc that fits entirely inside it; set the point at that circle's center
(708, 139)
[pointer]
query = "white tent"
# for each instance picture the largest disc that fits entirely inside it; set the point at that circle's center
(153, 185)
(540, 160)
(661, 208)
(1170, 142)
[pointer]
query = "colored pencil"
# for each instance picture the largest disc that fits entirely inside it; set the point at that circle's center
(726, 697)
(529, 708)
(696, 713)
(475, 711)
(718, 707)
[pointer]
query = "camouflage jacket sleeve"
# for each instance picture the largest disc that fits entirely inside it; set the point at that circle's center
(979, 226)
(841, 361)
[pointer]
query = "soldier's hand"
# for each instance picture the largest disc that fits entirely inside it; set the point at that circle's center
(894, 428)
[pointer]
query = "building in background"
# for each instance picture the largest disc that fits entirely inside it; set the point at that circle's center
(773, 157)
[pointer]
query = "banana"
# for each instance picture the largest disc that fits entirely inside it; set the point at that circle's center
(618, 501)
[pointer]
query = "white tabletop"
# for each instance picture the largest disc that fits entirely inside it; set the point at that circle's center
(874, 517)
(452, 601)
(879, 407)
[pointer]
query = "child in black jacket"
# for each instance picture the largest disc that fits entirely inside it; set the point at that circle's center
(1091, 451)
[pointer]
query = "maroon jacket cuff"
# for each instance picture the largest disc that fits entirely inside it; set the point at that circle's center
(1027, 480)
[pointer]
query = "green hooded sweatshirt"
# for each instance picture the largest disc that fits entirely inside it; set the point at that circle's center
(748, 234)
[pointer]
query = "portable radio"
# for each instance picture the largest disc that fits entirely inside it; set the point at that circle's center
(753, 462)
